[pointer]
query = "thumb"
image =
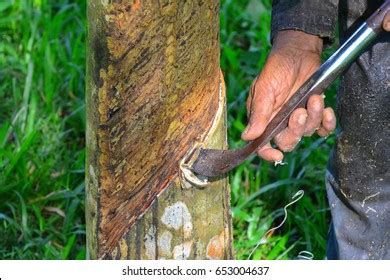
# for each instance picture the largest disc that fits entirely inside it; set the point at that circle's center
(260, 112)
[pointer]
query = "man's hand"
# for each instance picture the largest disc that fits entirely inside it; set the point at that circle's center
(294, 57)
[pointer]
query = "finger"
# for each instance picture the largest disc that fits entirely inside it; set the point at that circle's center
(270, 154)
(386, 22)
(328, 123)
(290, 136)
(315, 108)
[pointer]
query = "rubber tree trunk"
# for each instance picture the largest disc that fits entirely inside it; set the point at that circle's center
(154, 95)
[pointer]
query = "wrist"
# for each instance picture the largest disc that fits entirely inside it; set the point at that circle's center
(298, 40)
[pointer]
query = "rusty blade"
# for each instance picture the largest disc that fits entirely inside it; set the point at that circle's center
(211, 162)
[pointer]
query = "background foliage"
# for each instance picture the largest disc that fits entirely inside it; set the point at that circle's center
(42, 65)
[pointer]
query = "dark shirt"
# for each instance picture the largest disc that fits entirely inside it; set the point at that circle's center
(317, 17)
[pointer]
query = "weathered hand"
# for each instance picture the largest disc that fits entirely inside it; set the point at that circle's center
(294, 57)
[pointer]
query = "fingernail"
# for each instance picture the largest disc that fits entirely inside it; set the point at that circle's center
(302, 119)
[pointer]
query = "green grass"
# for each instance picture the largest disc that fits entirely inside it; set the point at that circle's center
(42, 54)
(42, 65)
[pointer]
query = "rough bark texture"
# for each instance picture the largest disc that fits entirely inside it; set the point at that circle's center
(154, 90)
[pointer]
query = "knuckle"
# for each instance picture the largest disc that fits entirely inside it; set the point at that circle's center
(298, 121)
(316, 107)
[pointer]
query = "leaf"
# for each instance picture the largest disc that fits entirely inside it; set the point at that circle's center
(55, 210)
(68, 247)
(5, 5)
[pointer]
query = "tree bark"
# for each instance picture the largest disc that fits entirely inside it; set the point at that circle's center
(154, 95)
